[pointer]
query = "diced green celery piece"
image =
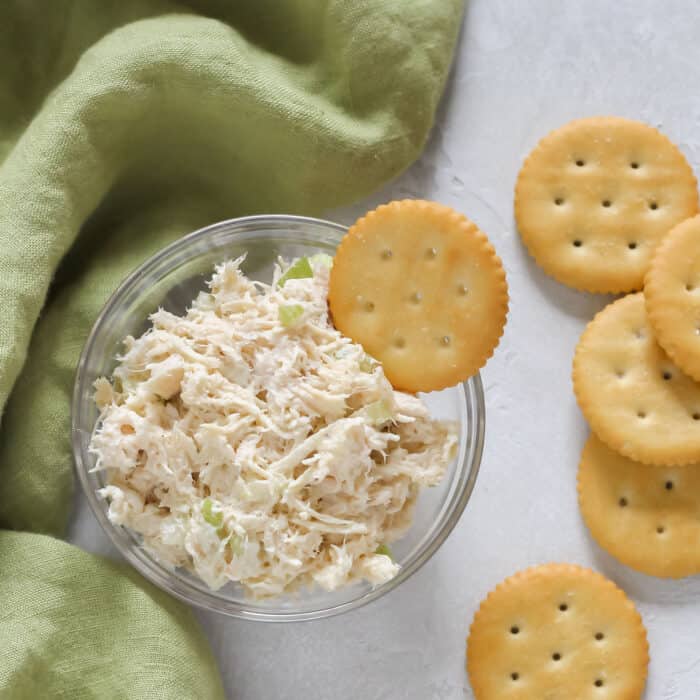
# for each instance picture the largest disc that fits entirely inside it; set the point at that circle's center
(236, 544)
(299, 270)
(367, 364)
(379, 412)
(321, 259)
(290, 314)
(214, 519)
(384, 549)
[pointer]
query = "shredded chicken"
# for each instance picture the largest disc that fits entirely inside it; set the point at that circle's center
(250, 441)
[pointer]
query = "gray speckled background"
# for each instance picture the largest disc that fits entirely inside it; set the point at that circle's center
(523, 68)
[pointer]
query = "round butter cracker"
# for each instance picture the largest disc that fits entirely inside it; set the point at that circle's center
(634, 398)
(647, 517)
(596, 196)
(672, 293)
(421, 288)
(560, 632)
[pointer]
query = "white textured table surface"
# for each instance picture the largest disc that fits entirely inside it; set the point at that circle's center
(522, 68)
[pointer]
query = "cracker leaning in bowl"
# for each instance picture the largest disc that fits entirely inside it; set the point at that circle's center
(421, 288)
(645, 516)
(560, 632)
(596, 196)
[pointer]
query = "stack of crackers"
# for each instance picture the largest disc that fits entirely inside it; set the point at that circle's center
(604, 205)
(611, 205)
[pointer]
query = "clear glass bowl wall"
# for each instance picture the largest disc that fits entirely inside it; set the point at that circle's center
(171, 279)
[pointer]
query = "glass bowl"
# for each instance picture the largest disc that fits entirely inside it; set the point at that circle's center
(171, 279)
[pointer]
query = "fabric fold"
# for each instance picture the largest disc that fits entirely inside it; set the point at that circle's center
(124, 125)
(77, 626)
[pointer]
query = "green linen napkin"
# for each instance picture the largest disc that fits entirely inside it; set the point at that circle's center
(78, 626)
(125, 124)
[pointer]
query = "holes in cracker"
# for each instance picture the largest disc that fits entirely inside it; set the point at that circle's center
(599, 636)
(515, 630)
(696, 416)
(445, 341)
(369, 306)
(620, 373)
(666, 376)
(634, 165)
(559, 201)
(632, 245)
(431, 254)
(514, 676)
(668, 485)
(580, 162)
(660, 530)
(387, 254)
(563, 607)
(689, 287)
(653, 206)
(622, 502)
(641, 415)
(598, 683)
(556, 656)
(399, 343)
(606, 203)
(577, 243)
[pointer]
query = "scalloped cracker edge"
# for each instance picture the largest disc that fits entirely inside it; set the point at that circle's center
(672, 295)
(644, 516)
(421, 288)
(595, 197)
(557, 631)
(633, 397)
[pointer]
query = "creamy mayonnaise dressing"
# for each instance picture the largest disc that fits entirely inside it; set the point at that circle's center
(249, 441)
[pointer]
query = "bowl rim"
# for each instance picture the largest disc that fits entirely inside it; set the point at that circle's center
(159, 574)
